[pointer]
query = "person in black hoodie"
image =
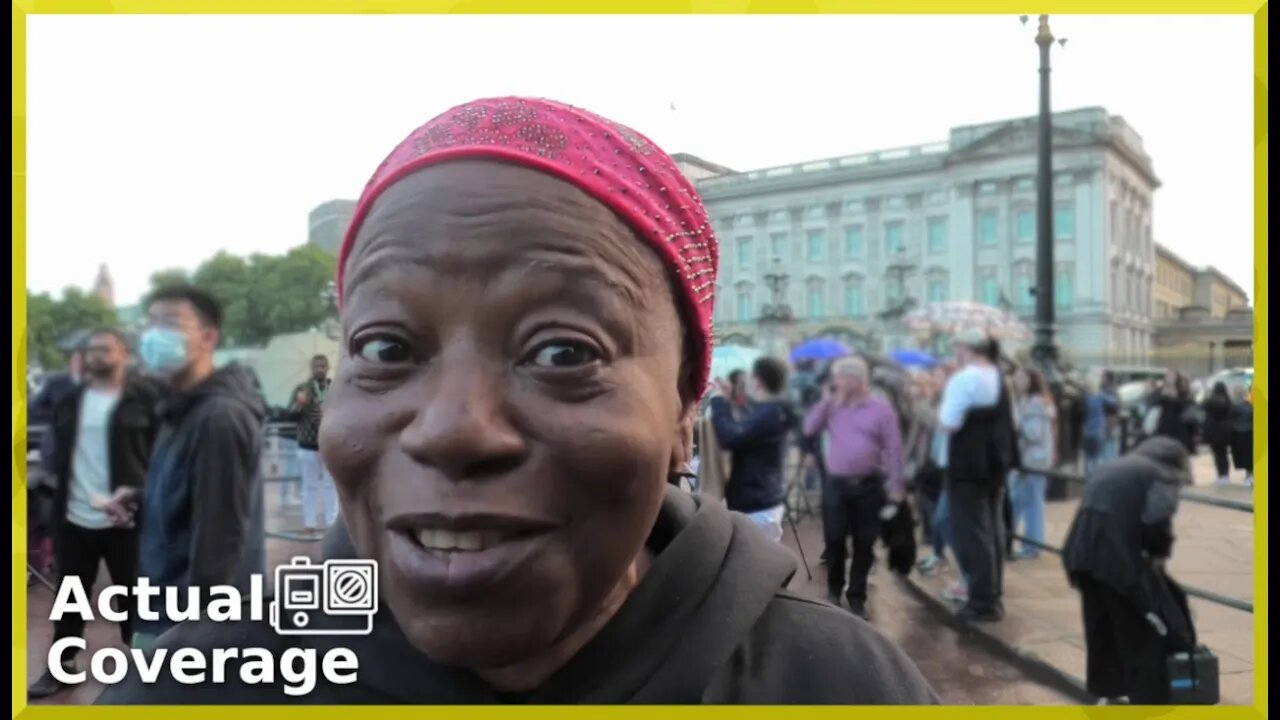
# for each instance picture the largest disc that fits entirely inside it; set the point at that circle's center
(201, 516)
(104, 431)
(1114, 554)
(1217, 430)
(758, 444)
(524, 352)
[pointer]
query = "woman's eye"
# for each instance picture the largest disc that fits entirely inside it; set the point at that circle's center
(563, 355)
(384, 350)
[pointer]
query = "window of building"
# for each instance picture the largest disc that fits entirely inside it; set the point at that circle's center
(1026, 226)
(817, 239)
(853, 247)
(744, 253)
(937, 290)
(745, 311)
(1064, 287)
(778, 246)
(893, 241)
(853, 300)
(988, 228)
(987, 188)
(989, 290)
(1024, 184)
(1064, 222)
(1022, 297)
(937, 231)
(813, 302)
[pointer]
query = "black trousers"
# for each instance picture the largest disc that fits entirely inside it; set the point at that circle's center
(1221, 459)
(851, 509)
(1242, 450)
(1124, 655)
(977, 540)
(80, 554)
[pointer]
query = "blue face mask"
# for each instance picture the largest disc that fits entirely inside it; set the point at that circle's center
(162, 350)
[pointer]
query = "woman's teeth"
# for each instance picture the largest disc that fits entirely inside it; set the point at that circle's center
(464, 541)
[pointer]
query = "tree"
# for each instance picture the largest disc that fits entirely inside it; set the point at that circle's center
(51, 321)
(169, 278)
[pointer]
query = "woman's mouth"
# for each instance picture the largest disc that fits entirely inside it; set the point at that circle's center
(461, 555)
(446, 541)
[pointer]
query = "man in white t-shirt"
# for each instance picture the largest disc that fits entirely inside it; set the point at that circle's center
(977, 415)
(104, 432)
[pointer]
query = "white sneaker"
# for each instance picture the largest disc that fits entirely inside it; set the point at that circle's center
(957, 592)
(1222, 481)
(1248, 480)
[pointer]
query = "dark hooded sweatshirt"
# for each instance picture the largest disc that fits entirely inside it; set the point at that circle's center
(710, 623)
(758, 443)
(1125, 519)
(201, 518)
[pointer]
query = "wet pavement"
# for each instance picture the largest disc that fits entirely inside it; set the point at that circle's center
(962, 669)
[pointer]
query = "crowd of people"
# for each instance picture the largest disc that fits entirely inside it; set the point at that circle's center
(970, 441)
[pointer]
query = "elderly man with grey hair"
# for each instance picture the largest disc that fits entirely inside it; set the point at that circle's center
(977, 413)
(864, 473)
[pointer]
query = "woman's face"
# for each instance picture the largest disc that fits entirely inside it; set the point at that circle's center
(1022, 382)
(507, 408)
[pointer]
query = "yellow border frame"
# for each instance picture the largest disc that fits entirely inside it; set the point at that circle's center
(20, 12)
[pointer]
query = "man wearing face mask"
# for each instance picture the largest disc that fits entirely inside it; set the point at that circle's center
(201, 517)
(317, 485)
(104, 432)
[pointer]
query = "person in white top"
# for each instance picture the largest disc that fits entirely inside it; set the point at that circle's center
(971, 413)
(104, 430)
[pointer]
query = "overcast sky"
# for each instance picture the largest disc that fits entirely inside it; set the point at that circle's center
(155, 141)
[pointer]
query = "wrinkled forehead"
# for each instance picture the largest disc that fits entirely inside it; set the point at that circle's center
(479, 219)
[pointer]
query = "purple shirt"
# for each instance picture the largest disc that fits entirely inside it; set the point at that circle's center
(864, 439)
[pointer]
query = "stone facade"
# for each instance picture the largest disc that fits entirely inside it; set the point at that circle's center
(856, 238)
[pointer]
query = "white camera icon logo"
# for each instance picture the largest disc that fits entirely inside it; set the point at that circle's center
(309, 596)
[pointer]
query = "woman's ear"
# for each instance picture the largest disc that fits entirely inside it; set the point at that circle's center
(682, 448)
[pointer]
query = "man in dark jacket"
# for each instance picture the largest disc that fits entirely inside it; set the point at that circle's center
(201, 517)
(758, 443)
(1120, 539)
(319, 498)
(104, 433)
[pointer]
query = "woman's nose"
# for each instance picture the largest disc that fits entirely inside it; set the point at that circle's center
(462, 428)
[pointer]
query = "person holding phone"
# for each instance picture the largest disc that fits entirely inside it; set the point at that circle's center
(319, 498)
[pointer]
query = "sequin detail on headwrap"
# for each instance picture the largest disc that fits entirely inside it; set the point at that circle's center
(613, 163)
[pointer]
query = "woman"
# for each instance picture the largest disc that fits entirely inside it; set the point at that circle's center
(526, 302)
(1099, 406)
(939, 517)
(1242, 432)
(1217, 430)
(1172, 403)
(924, 476)
(1036, 435)
(1115, 552)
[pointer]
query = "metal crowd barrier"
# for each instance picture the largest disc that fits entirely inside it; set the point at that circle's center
(1193, 497)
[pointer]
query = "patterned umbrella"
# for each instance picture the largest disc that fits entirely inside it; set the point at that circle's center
(727, 358)
(956, 316)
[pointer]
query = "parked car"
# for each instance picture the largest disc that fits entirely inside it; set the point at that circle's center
(1232, 378)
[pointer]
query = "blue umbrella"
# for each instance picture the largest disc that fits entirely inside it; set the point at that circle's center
(913, 358)
(819, 349)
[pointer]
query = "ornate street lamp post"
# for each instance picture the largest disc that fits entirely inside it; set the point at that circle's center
(776, 318)
(329, 296)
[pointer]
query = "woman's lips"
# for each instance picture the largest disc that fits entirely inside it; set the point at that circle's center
(465, 559)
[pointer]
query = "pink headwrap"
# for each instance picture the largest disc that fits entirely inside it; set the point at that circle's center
(614, 164)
